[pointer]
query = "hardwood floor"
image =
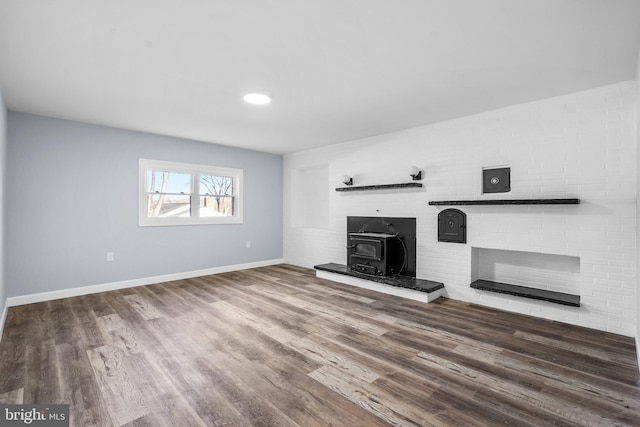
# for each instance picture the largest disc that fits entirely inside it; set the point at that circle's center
(278, 346)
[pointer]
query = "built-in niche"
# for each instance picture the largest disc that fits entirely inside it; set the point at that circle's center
(310, 194)
(554, 274)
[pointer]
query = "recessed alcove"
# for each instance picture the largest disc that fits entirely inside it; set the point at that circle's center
(309, 186)
(543, 276)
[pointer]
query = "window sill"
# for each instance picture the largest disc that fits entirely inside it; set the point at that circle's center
(173, 223)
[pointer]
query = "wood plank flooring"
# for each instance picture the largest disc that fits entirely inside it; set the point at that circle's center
(276, 346)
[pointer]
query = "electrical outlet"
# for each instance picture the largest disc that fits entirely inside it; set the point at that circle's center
(248, 244)
(110, 256)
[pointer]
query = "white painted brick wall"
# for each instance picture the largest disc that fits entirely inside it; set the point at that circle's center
(581, 145)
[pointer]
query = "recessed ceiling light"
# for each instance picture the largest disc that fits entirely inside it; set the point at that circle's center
(257, 98)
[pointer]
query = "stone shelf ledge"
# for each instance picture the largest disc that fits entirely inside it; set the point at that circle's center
(505, 202)
(526, 292)
(380, 187)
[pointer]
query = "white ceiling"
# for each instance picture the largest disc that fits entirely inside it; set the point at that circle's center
(337, 70)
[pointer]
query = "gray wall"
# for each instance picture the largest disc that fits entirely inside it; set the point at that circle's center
(638, 210)
(72, 191)
(3, 174)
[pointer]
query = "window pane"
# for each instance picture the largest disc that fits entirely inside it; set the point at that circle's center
(216, 206)
(159, 181)
(168, 206)
(366, 249)
(219, 185)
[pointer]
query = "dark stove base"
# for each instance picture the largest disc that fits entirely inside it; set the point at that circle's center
(420, 285)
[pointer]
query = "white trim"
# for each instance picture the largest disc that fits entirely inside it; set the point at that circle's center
(85, 290)
(5, 310)
(380, 287)
(638, 348)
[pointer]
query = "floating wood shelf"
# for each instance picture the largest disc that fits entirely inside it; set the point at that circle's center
(380, 187)
(506, 202)
(525, 292)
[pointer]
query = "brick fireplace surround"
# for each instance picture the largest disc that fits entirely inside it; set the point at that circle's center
(580, 145)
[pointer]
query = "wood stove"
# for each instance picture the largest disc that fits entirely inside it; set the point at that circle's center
(379, 254)
(381, 246)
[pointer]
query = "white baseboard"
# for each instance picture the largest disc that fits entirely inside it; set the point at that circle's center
(85, 290)
(638, 348)
(380, 287)
(5, 310)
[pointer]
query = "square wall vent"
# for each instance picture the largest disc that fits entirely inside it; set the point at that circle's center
(496, 180)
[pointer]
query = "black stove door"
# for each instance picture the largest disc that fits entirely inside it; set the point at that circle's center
(452, 226)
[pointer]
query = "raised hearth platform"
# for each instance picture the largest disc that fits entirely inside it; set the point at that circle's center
(402, 286)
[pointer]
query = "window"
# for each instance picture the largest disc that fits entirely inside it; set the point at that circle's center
(186, 194)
